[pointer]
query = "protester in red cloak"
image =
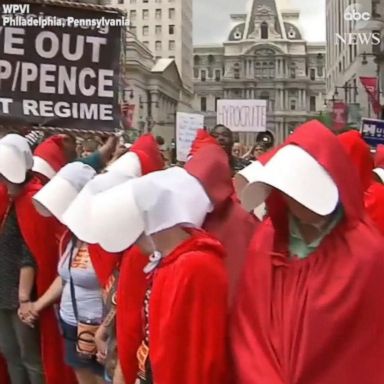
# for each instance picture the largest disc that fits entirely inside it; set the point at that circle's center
(228, 222)
(132, 280)
(317, 319)
(359, 153)
(188, 291)
(41, 236)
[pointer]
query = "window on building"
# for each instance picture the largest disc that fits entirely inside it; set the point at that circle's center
(171, 29)
(236, 73)
(218, 75)
(292, 104)
(133, 30)
(158, 45)
(158, 29)
(203, 75)
(146, 43)
(171, 57)
(145, 1)
(145, 30)
(312, 74)
(195, 73)
(312, 103)
(264, 30)
(145, 14)
(132, 15)
(320, 71)
(171, 13)
(196, 59)
(216, 102)
(203, 104)
(158, 14)
(171, 45)
(293, 72)
(120, 2)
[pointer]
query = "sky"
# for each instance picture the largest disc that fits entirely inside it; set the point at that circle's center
(212, 18)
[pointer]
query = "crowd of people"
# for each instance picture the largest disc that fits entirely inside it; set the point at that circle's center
(237, 267)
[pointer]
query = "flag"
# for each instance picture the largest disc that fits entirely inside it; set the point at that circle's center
(339, 115)
(127, 111)
(371, 86)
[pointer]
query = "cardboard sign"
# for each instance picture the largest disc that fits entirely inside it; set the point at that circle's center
(187, 125)
(243, 115)
(372, 131)
(65, 74)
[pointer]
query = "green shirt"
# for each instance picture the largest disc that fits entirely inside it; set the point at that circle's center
(297, 245)
(95, 161)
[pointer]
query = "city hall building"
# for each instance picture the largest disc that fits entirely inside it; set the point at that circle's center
(264, 57)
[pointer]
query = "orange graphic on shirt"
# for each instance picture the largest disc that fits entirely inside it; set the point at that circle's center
(82, 259)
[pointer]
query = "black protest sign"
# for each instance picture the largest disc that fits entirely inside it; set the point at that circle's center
(59, 67)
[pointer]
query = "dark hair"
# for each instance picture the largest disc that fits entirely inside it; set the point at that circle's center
(160, 140)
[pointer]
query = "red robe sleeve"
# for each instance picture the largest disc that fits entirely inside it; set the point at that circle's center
(130, 298)
(189, 311)
(42, 238)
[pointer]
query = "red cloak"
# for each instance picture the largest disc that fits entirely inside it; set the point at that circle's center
(319, 320)
(130, 298)
(42, 238)
(188, 305)
(379, 157)
(228, 222)
(187, 314)
(359, 153)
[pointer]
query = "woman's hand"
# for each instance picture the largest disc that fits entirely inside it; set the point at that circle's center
(28, 314)
(101, 337)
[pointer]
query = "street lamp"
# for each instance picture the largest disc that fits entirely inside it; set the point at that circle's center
(346, 88)
(378, 58)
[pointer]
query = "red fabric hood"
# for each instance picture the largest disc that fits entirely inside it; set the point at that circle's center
(379, 157)
(203, 138)
(359, 152)
(149, 154)
(228, 222)
(333, 159)
(311, 320)
(210, 166)
(51, 150)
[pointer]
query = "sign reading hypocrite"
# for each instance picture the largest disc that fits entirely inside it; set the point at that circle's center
(243, 115)
(372, 131)
(59, 66)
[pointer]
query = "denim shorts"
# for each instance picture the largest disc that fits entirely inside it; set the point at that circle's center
(72, 357)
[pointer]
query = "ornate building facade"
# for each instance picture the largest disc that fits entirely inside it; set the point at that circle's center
(264, 57)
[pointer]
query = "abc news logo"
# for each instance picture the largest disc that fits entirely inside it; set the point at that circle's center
(356, 12)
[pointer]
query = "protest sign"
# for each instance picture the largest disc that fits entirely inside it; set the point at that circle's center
(372, 131)
(187, 125)
(243, 115)
(59, 66)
